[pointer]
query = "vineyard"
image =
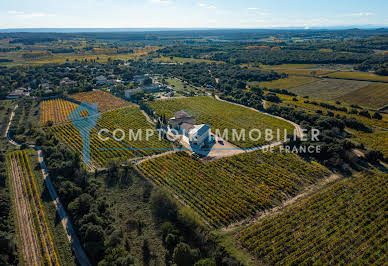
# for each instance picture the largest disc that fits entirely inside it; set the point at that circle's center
(374, 95)
(105, 100)
(56, 110)
(308, 106)
(222, 115)
(286, 83)
(358, 75)
(328, 89)
(377, 140)
(344, 224)
(38, 246)
(102, 151)
(230, 189)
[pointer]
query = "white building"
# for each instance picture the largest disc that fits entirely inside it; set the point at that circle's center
(199, 134)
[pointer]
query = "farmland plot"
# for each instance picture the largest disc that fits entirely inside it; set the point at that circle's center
(222, 115)
(346, 223)
(37, 243)
(327, 89)
(233, 188)
(101, 151)
(56, 110)
(105, 100)
(374, 95)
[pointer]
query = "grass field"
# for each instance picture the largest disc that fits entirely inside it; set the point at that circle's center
(230, 189)
(374, 95)
(358, 75)
(105, 100)
(345, 223)
(222, 115)
(128, 118)
(286, 83)
(327, 89)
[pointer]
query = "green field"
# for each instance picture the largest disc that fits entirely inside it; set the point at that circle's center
(327, 89)
(374, 95)
(222, 115)
(230, 189)
(358, 75)
(286, 83)
(344, 224)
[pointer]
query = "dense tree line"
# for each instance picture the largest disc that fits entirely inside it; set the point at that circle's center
(8, 250)
(335, 150)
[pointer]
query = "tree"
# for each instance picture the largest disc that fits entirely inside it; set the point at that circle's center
(184, 255)
(163, 206)
(374, 156)
(377, 116)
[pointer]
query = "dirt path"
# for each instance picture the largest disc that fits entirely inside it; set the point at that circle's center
(66, 223)
(25, 223)
(155, 156)
(6, 135)
(271, 212)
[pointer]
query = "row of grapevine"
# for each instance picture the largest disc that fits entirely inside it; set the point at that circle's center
(56, 110)
(105, 100)
(222, 115)
(102, 151)
(345, 223)
(30, 188)
(230, 189)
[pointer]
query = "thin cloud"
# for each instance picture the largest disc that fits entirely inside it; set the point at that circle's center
(360, 14)
(13, 12)
(163, 2)
(252, 8)
(29, 15)
(207, 6)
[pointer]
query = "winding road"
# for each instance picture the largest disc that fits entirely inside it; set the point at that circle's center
(65, 220)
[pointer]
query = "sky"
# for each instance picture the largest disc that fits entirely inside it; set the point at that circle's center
(191, 14)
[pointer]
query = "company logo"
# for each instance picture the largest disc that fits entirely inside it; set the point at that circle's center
(84, 118)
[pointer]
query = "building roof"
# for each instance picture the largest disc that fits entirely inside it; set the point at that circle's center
(101, 77)
(199, 129)
(187, 126)
(181, 114)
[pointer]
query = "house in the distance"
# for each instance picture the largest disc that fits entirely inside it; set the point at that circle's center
(67, 82)
(129, 93)
(101, 80)
(19, 92)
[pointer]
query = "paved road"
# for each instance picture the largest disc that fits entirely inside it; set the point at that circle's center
(66, 223)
